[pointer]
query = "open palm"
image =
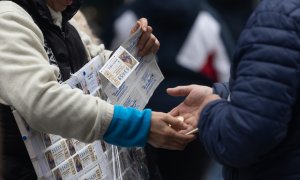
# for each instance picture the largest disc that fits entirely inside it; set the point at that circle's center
(192, 105)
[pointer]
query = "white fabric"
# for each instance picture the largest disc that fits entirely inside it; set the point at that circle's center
(28, 83)
(92, 49)
(204, 39)
(56, 17)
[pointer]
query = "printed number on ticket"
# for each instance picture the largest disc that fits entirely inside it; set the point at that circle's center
(119, 67)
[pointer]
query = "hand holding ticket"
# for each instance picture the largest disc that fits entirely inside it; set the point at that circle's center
(194, 131)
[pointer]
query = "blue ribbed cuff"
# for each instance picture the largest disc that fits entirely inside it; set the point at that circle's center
(129, 127)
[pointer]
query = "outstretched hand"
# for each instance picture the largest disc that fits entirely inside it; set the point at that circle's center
(148, 43)
(164, 132)
(196, 98)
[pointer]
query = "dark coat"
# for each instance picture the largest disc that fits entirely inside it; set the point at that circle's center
(255, 133)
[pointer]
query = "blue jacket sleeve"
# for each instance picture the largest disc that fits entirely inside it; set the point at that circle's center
(129, 127)
(221, 89)
(264, 87)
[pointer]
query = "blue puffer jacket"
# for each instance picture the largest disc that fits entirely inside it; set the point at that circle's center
(255, 131)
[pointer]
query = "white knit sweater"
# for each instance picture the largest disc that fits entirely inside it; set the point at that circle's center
(29, 83)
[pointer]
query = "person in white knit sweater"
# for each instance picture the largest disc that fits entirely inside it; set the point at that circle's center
(39, 48)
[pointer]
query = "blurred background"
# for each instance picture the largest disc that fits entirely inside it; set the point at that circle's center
(234, 12)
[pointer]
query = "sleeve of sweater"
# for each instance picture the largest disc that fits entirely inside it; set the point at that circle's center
(266, 81)
(129, 127)
(29, 84)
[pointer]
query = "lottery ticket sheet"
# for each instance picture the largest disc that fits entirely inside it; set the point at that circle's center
(141, 79)
(125, 79)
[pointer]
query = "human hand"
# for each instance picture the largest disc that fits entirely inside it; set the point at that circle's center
(148, 43)
(197, 97)
(163, 132)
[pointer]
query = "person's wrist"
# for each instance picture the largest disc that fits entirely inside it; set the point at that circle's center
(208, 99)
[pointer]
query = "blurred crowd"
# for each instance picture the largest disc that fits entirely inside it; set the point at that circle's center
(234, 12)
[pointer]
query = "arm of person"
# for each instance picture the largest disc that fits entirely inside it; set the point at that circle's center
(239, 131)
(156, 128)
(29, 84)
(256, 119)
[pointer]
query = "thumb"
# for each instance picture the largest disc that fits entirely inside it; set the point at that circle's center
(174, 112)
(136, 27)
(179, 91)
(175, 123)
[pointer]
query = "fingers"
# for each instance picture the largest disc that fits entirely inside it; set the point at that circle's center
(174, 112)
(192, 120)
(175, 123)
(146, 39)
(180, 90)
(161, 135)
(155, 47)
(172, 140)
(141, 23)
(148, 43)
(136, 27)
(179, 142)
